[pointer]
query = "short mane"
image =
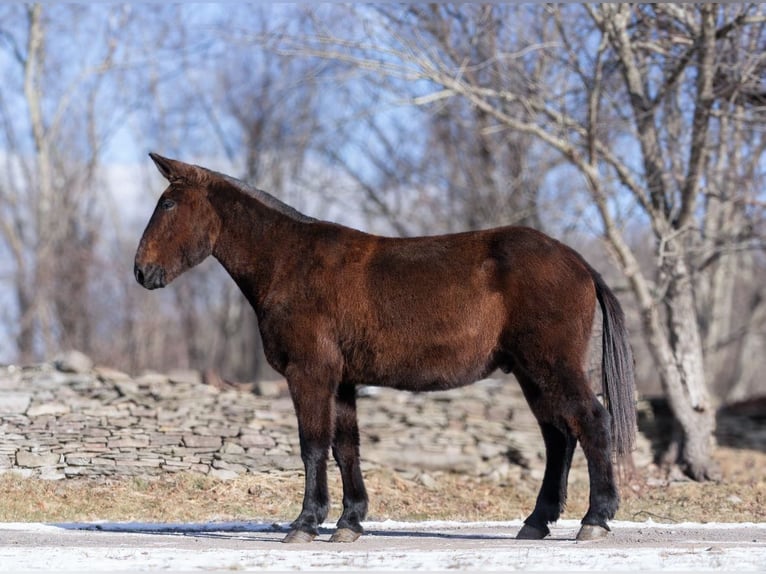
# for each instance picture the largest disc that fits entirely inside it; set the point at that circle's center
(265, 198)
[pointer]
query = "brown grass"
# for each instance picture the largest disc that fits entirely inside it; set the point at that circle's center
(740, 497)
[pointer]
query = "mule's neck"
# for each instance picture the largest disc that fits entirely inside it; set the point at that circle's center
(258, 232)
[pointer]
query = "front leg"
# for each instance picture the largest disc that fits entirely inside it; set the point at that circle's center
(314, 407)
(345, 449)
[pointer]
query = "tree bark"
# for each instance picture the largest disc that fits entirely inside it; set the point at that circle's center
(684, 377)
(677, 347)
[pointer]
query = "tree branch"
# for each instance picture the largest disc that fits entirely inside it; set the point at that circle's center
(701, 120)
(616, 19)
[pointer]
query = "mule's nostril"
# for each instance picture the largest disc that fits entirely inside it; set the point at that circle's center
(139, 274)
(150, 276)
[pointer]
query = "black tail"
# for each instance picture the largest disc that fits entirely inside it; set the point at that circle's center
(617, 369)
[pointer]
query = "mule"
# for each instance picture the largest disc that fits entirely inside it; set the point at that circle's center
(338, 308)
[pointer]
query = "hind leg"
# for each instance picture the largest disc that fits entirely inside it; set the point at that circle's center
(591, 425)
(568, 411)
(345, 450)
(559, 449)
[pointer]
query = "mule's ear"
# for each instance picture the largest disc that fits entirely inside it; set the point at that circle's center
(171, 169)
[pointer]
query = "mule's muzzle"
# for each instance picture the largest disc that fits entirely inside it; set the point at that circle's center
(150, 276)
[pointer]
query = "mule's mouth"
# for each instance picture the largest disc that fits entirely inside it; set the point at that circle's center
(149, 276)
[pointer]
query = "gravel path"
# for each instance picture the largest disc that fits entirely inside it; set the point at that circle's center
(386, 546)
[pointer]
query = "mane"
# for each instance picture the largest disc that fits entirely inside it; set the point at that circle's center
(265, 198)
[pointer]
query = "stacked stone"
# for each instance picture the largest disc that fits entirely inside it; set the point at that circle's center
(68, 419)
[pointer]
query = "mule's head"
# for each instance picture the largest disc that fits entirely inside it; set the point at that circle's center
(183, 228)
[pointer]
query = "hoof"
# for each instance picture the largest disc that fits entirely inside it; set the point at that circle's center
(298, 537)
(592, 532)
(528, 532)
(345, 535)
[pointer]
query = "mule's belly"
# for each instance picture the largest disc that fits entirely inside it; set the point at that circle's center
(428, 362)
(422, 382)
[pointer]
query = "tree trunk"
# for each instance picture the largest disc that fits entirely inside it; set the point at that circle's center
(25, 340)
(682, 373)
(753, 345)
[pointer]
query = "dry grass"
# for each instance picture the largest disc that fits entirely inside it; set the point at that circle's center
(741, 496)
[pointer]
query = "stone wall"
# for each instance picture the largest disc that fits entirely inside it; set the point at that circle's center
(68, 419)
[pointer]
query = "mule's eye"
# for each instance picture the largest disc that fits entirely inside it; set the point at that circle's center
(167, 204)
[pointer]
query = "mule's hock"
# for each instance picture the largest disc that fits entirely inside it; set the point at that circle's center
(69, 418)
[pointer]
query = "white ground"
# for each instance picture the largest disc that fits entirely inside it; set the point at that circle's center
(386, 546)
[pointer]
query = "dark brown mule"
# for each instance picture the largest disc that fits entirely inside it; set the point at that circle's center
(339, 308)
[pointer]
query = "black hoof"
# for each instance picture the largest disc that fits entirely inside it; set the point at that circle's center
(528, 532)
(345, 535)
(298, 537)
(592, 532)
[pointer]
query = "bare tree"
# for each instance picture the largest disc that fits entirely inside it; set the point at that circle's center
(48, 211)
(627, 96)
(648, 117)
(253, 112)
(427, 168)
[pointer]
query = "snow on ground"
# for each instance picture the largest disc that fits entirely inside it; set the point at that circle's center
(387, 546)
